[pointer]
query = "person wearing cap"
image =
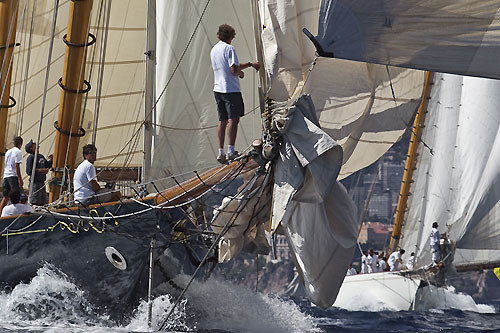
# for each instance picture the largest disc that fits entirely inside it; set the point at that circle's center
(16, 207)
(38, 193)
(12, 178)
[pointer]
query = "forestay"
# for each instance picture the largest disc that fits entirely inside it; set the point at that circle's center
(449, 36)
(353, 100)
(458, 184)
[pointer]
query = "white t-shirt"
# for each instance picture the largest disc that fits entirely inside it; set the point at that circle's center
(16, 209)
(351, 271)
(381, 266)
(364, 266)
(12, 157)
(374, 262)
(434, 236)
(81, 181)
(393, 260)
(223, 56)
(410, 263)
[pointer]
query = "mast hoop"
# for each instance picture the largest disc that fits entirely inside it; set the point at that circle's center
(9, 46)
(75, 91)
(70, 44)
(68, 133)
(8, 106)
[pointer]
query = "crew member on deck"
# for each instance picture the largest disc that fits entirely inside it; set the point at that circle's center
(351, 270)
(364, 265)
(411, 262)
(434, 242)
(12, 178)
(87, 190)
(39, 194)
(395, 260)
(16, 207)
(227, 72)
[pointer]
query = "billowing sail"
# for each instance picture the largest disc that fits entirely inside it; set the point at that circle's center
(456, 181)
(119, 84)
(185, 119)
(459, 37)
(354, 101)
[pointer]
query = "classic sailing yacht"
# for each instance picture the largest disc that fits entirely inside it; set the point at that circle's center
(454, 178)
(164, 65)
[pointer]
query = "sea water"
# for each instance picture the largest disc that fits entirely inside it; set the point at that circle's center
(51, 303)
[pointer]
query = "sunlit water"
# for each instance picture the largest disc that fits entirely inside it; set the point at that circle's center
(51, 303)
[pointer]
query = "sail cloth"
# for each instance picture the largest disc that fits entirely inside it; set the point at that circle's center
(247, 215)
(318, 217)
(460, 37)
(119, 101)
(458, 185)
(354, 101)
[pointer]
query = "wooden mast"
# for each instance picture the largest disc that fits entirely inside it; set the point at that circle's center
(410, 166)
(8, 23)
(72, 89)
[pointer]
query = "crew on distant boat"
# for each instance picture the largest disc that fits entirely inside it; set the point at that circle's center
(227, 71)
(434, 242)
(12, 178)
(364, 265)
(351, 270)
(382, 265)
(372, 268)
(87, 190)
(39, 194)
(395, 260)
(16, 207)
(411, 262)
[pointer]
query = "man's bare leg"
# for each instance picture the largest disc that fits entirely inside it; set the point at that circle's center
(232, 130)
(221, 133)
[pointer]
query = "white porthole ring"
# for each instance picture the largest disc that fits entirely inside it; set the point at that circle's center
(115, 258)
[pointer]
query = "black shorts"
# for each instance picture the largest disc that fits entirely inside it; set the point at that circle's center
(229, 105)
(9, 184)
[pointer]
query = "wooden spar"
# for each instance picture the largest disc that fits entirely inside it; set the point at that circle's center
(194, 186)
(73, 88)
(8, 23)
(410, 165)
(477, 267)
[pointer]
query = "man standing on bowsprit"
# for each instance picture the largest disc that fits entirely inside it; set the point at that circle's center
(227, 73)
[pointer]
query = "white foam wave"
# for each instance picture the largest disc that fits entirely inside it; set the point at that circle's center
(431, 297)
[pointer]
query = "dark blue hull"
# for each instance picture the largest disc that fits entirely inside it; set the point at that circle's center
(76, 246)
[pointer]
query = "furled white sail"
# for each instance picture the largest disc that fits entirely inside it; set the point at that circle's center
(120, 105)
(186, 115)
(456, 179)
(354, 101)
(449, 36)
(315, 212)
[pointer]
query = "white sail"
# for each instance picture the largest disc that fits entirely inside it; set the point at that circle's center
(457, 185)
(353, 101)
(119, 136)
(449, 36)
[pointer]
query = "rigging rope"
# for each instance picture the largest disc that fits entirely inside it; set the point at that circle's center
(408, 125)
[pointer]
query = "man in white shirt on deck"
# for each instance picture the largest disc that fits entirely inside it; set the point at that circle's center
(351, 270)
(227, 74)
(16, 207)
(12, 178)
(395, 259)
(364, 266)
(87, 190)
(411, 262)
(434, 242)
(374, 263)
